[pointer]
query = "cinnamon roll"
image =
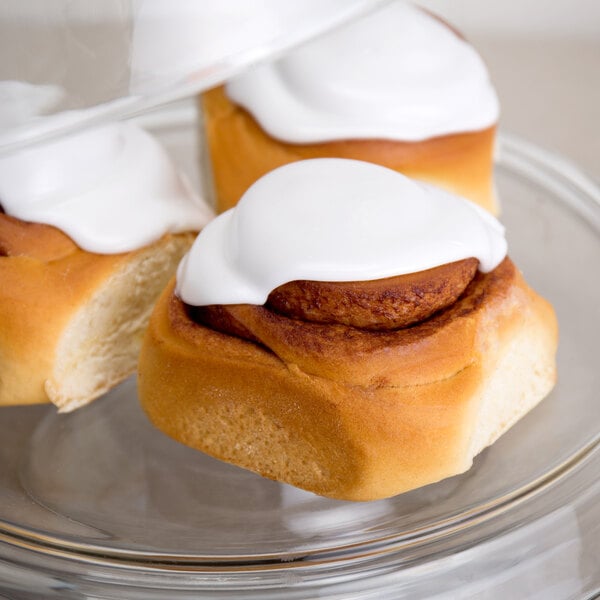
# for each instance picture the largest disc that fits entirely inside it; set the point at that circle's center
(246, 359)
(398, 88)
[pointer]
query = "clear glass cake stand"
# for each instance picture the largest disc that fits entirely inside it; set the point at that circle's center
(99, 504)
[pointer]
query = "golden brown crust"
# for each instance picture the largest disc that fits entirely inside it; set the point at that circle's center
(343, 412)
(241, 152)
(379, 304)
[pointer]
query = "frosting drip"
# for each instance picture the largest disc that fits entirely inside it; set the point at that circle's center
(111, 189)
(398, 73)
(333, 220)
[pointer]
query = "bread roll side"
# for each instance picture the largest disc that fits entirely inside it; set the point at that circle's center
(240, 152)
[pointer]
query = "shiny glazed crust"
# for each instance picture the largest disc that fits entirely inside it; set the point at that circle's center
(240, 152)
(348, 413)
(71, 321)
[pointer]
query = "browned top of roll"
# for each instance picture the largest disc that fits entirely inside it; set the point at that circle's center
(379, 304)
(376, 305)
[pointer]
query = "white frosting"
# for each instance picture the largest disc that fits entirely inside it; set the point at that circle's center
(333, 220)
(398, 73)
(111, 189)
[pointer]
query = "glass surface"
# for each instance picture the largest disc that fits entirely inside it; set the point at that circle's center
(65, 64)
(98, 503)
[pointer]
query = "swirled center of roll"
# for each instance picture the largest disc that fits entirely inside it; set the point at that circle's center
(379, 305)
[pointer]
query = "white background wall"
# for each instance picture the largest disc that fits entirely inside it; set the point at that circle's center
(531, 18)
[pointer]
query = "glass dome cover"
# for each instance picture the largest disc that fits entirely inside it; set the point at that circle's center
(65, 65)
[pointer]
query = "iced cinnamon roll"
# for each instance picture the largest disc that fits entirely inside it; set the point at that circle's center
(398, 88)
(348, 331)
(92, 228)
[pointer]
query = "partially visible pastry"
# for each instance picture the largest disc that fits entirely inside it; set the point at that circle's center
(246, 359)
(92, 228)
(398, 88)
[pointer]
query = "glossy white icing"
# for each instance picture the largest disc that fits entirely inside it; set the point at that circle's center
(111, 189)
(397, 73)
(333, 220)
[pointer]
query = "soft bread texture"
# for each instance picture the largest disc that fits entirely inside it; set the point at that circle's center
(240, 152)
(348, 413)
(71, 322)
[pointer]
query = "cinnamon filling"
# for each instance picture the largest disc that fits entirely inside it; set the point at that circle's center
(379, 305)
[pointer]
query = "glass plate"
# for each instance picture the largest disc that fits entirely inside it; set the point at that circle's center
(99, 504)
